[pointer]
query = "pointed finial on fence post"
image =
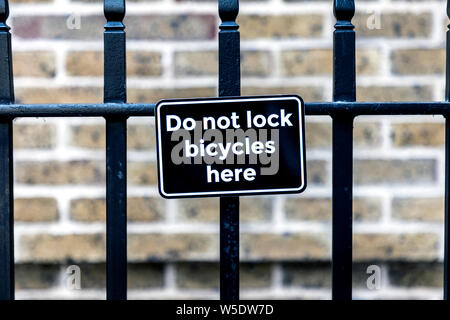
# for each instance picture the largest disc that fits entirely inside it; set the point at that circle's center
(6, 73)
(114, 51)
(4, 13)
(228, 12)
(344, 10)
(448, 9)
(229, 49)
(114, 11)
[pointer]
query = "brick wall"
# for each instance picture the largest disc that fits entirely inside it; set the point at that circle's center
(285, 242)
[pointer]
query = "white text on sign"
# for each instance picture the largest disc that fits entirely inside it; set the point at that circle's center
(174, 122)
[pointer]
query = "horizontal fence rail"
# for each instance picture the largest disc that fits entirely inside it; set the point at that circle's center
(116, 111)
(147, 109)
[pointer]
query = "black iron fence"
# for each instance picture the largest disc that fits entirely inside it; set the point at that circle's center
(115, 110)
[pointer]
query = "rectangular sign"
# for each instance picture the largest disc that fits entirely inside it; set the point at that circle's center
(230, 146)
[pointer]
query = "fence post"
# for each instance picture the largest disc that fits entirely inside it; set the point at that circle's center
(116, 151)
(6, 162)
(342, 163)
(229, 85)
(447, 169)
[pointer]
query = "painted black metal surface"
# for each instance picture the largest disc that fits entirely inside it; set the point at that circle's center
(447, 209)
(343, 90)
(229, 85)
(116, 152)
(343, 108)
(6, 162)
(447, 171)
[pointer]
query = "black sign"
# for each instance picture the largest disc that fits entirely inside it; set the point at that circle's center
(230, 146)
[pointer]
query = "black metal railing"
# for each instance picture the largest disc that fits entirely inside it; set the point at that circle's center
(115, 110)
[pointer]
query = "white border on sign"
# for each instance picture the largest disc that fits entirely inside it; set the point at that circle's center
(300, 107)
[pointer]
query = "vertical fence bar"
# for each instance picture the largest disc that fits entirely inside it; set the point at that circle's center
(447, 204)
(342, 163)
(447, 169)
(116, 151)
(229, 85)
(6, 162)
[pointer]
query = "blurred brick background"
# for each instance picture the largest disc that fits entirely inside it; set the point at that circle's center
(285, 241)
